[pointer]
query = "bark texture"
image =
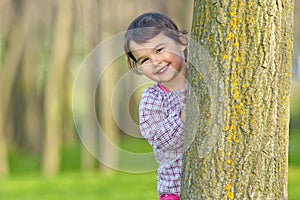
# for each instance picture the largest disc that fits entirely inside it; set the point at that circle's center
(237, 130)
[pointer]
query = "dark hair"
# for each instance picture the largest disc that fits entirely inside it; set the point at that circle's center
(146, 27)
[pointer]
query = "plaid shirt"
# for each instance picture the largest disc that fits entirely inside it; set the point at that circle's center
(161, 125)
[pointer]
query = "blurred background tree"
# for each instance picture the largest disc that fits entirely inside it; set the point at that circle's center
(43, 44)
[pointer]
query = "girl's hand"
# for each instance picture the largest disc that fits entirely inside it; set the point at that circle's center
(182, 114)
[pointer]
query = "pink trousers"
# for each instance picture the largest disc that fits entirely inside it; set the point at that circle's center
(169, 197)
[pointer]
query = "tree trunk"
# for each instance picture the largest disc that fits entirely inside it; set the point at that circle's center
(16, 43)
(54, 87)
(32, 113)
(108, 153)
(90, 18)
(239, 148)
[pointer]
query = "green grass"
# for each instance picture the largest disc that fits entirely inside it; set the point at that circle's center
(294, 148)
(294, 165)
(294, 183)
(92, 186)
(26, 183)
(75, 186)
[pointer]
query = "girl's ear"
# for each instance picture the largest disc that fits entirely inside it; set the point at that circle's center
(183, 42)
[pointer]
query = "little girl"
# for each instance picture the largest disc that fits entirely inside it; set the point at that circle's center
(156, 48)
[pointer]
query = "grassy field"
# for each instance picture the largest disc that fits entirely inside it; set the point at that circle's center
(75, 186)
(294, 183)
(27, 184)
(294, 165)
(115, 186)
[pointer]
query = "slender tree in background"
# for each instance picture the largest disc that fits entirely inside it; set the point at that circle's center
(54, 87)
(90, 25)
(108, 153)
(37, 38)
(245, 154)
(16, 41)
(31, 137)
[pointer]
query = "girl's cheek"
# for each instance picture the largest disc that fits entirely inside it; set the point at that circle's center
(167, 55)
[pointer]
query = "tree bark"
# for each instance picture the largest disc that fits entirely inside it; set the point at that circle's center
(239, 149)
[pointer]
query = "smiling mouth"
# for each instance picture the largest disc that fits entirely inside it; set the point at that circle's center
(162, 70)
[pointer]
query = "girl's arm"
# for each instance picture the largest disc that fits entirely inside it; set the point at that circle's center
(162, 130)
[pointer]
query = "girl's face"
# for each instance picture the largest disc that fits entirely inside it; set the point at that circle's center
(162, 60)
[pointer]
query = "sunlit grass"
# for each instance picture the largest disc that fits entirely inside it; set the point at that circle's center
(92, 186)
(294, 148)
(76, 186)
(294, 165)
(294, 183)
(27, 183)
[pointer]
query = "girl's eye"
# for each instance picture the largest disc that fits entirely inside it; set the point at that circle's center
(159, 50)
(144, 60)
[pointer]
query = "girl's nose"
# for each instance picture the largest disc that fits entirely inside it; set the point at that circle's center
(157, 60)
